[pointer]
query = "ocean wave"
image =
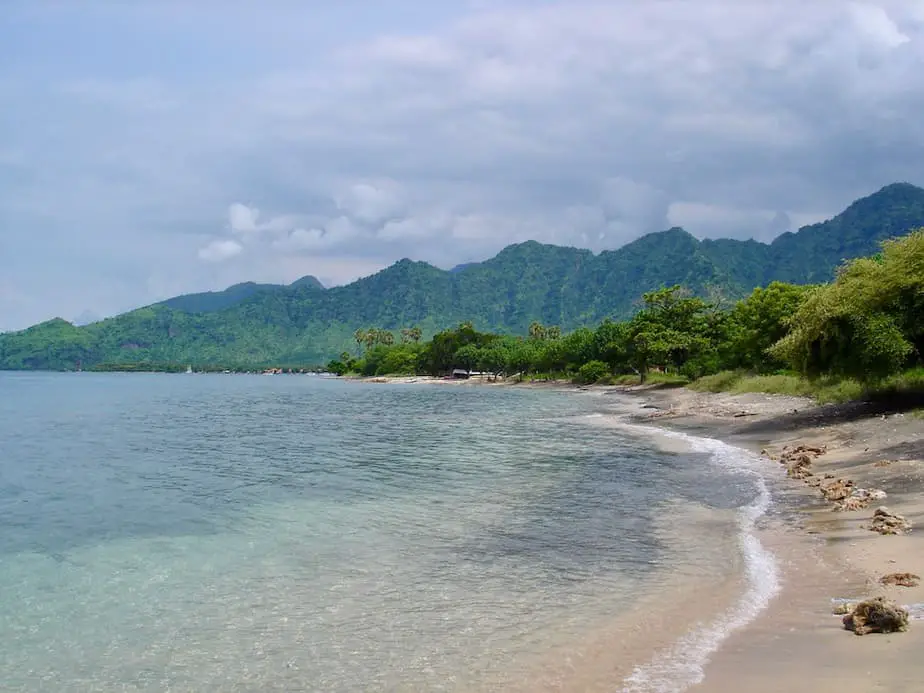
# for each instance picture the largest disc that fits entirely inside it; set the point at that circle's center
(682, 665)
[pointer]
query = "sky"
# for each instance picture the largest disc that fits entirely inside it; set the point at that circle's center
(152, 148)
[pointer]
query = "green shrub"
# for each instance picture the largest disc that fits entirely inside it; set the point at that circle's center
(591, 372)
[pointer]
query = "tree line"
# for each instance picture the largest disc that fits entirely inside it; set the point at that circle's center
(867, 324)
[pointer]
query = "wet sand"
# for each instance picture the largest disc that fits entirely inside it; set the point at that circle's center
(797, 644)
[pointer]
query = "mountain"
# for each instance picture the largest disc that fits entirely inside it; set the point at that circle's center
(210, 301)
(304, 323)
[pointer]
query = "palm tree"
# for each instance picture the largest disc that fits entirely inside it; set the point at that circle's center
(553, 332)
(537, 330)
(360, 337)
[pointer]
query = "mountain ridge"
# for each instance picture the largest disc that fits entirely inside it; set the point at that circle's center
(527, 281)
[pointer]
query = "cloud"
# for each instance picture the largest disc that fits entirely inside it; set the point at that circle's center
(220, 250)
(437, 131)
(245, 220)
(371, 203)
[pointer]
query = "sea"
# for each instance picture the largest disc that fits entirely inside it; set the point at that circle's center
(174, 532)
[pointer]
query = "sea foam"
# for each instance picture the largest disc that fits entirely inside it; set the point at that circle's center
(682, 665)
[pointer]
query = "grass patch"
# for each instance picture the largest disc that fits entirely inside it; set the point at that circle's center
(666, 379)
(908, 382)
(654, 378)
(719, 382)
(822, 390)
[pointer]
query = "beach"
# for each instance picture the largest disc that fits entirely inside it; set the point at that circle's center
(797, 644)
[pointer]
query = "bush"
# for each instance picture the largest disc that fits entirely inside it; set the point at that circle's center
(336, 367)
(591, 372)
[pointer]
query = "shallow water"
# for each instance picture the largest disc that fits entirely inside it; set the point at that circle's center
(250, 533)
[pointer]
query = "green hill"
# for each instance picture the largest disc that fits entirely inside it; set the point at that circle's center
(304, 323)
(210, 301)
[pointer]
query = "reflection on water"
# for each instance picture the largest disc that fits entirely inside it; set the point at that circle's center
(234, 533)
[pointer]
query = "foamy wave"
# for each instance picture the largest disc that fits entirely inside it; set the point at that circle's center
(682, 665)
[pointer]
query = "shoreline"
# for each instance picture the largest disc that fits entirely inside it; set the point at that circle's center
(823, 553)
(826, 553)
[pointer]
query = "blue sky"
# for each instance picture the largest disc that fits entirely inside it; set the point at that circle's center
(155, 148)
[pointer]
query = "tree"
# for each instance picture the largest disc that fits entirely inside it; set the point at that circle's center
(578, 348)
(371, 337)
(468, 356)
(410, 334)
(611, 344)
(360, 338)
(760, 321)
(668, 332)
(868, 323)
(537, 330)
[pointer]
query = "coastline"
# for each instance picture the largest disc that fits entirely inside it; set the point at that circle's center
(796, 643)
(824, 553)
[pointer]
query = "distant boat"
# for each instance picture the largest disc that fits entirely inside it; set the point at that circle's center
(189, 369)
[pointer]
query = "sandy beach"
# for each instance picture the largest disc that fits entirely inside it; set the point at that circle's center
(797, 644)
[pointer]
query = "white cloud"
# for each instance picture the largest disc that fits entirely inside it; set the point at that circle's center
(873, 23)
(220, 250)
(371, 203)
(243, 219)
(246, 220)
(445, 137)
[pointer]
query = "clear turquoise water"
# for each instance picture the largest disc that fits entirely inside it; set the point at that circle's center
(253, 533)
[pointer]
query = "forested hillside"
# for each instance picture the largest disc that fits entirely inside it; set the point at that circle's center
(304, 323)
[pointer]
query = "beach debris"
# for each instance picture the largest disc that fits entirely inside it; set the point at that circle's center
(876, 615)
(842, 608)
(859, 499)
(837, 490)
(850, 503)
(798, 469)
(900, 580)
(798, 460)
(886, 522)
(884, 463)
(741, 414)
